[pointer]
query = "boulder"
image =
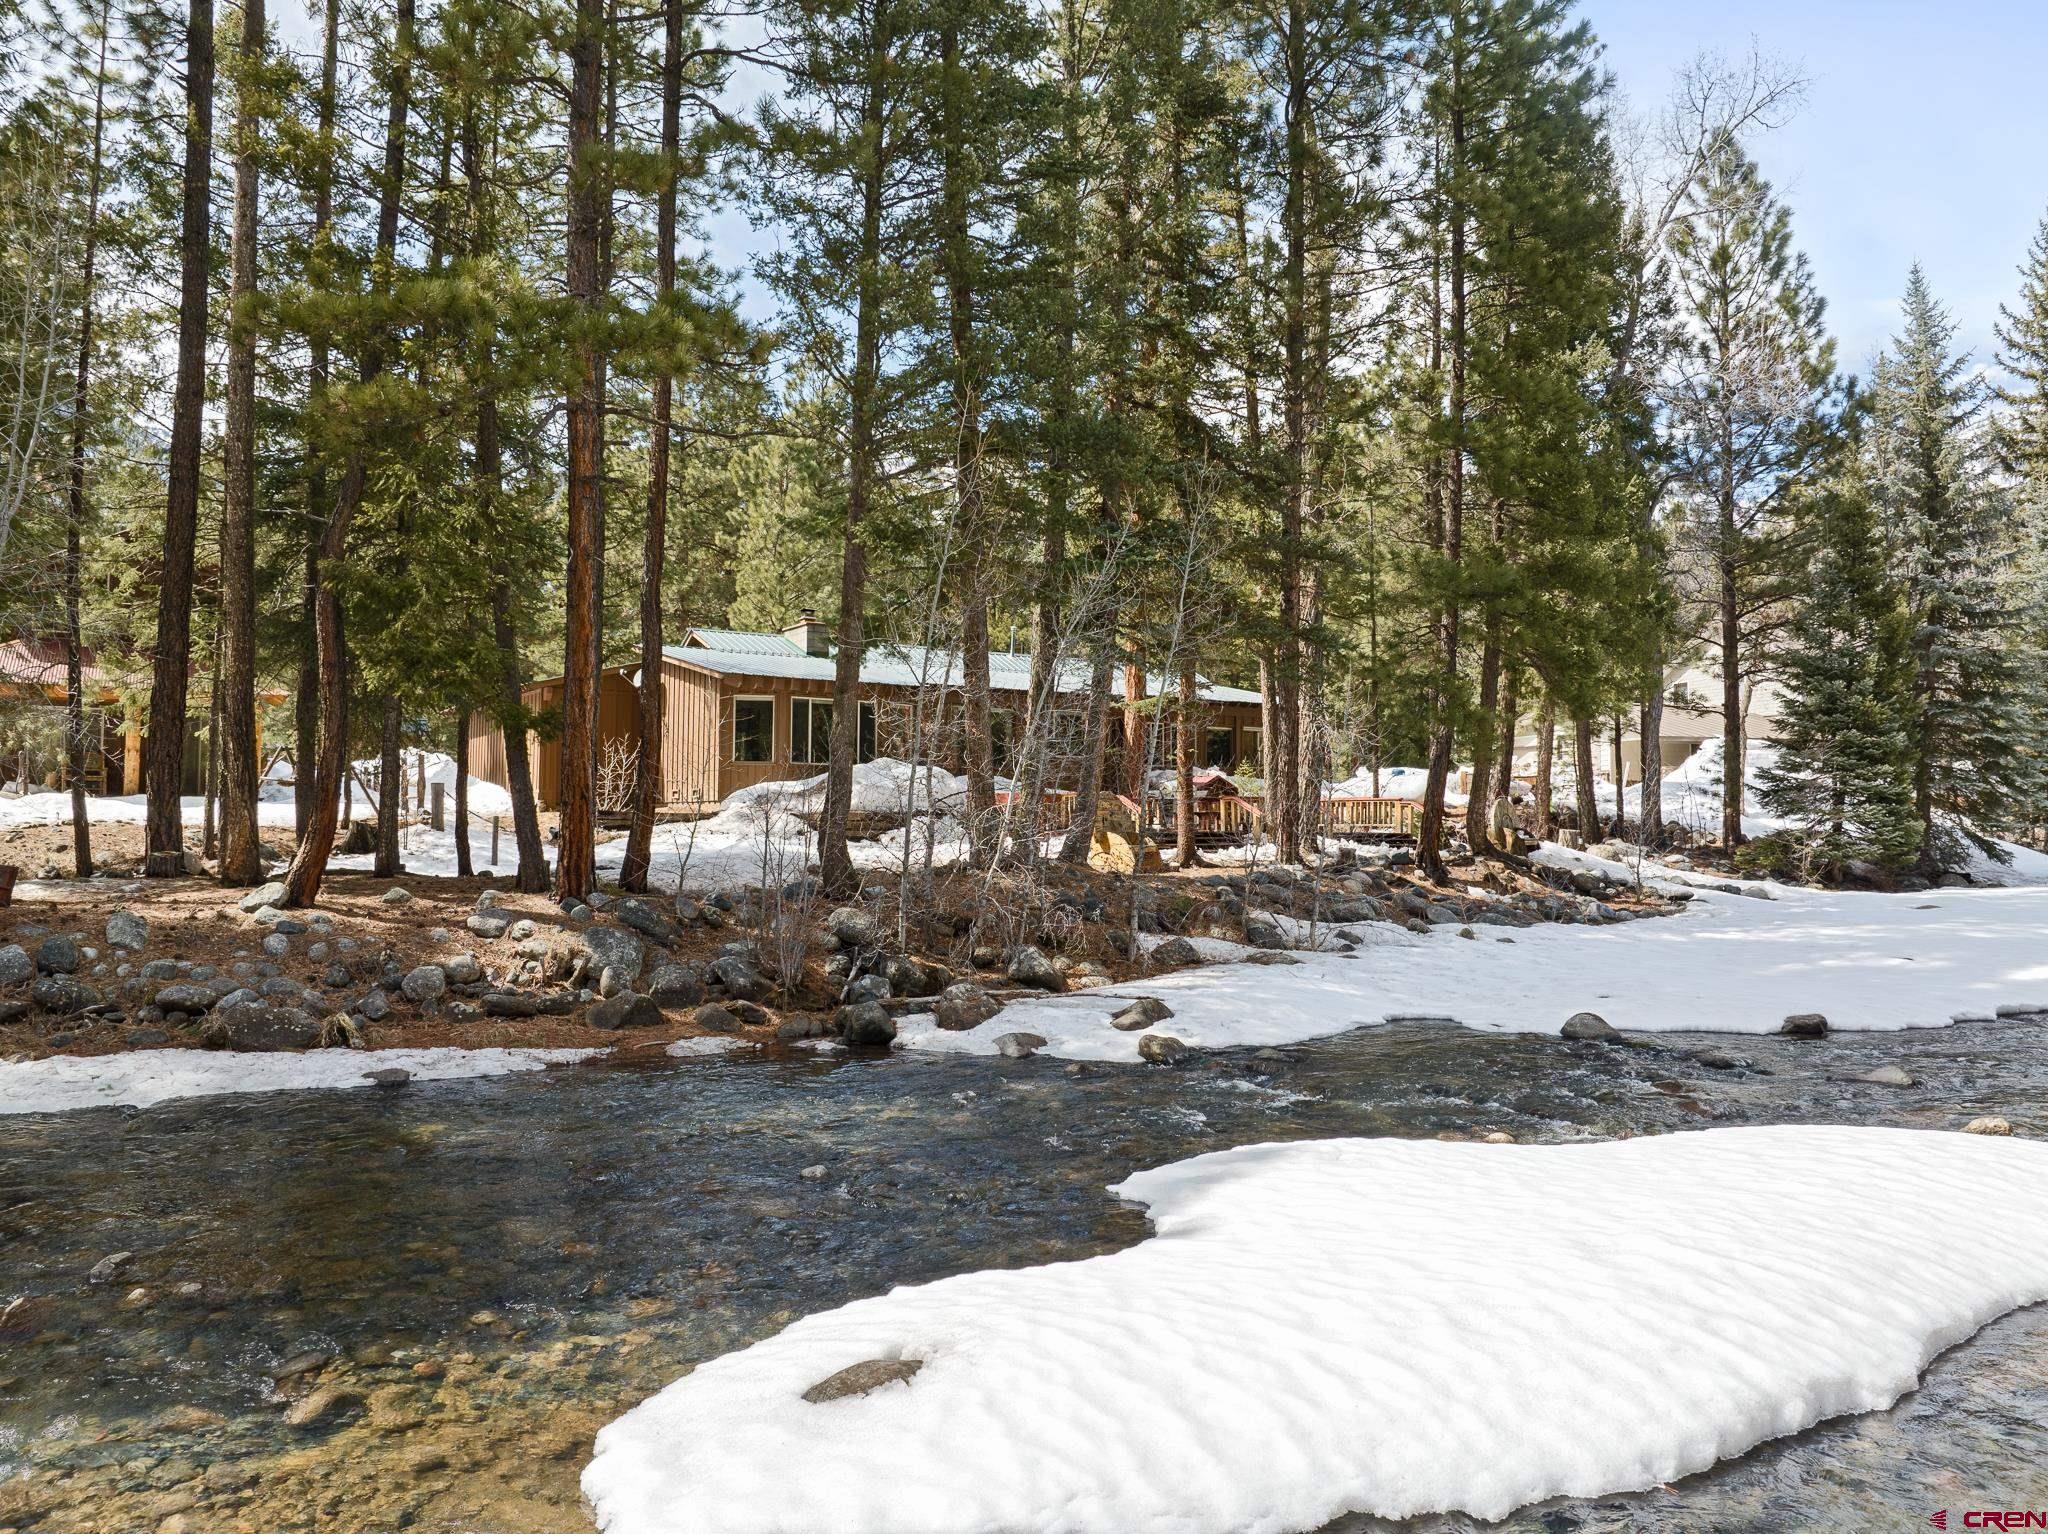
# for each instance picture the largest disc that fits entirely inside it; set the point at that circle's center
(912, 977)
(1804, 1025)
(676, 985)
(1163, 1049)
(488, 924)
(375, 1006)
(463, 969)
(868, 988)
(188, 997)
(1142, 1013)
(277, 945)
(628, 1009)
(254, 1026)
(1019, 1046)
(127, 931)
(1590, 1028)
(57, 956)
(965, 1005)
(749, 1014)
(389, 1076)
(1989, 1124)
(713, 1018)
(858, 1379)
(16, 967)
(271, 894)
(63, 995)
(1174, 953)
(396, 895)
(740, 979)
(600, 948)
(644, 918)
(866, 1022)
(426, 984)
(1029, 966)
(1887, 1076)
(1262, 931)
(852, 927)
(511, 1004)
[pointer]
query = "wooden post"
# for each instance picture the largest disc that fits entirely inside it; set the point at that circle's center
(494, 842)
(437, 817)
(131, 755)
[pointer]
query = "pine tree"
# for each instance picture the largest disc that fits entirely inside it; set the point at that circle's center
(1931, 474)
(1844, 766)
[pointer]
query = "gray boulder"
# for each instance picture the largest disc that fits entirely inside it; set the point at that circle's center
(488, 924)
(63, 995)
(1175, 952)
(868, 988)
(1142, 1013)
(1887, 1076)
(1163, 1049)
(375, 1006)
(1029, 966)
(713, 1018)
(426, 985)
(1589, 1028)
(853, 927)
(965, 1005)
(740, 979)
(270, 894)
(463, 969)
(1019, 1046)
(255, 1027)
(866, 1022)
(511, 1004)
(626, 1010)
(396, 895)
(600, 949)
(1804, 1025)
(127, 931)
(187, 997)
(57, 956)
(16, 967)
(675, 985)
(644, 918)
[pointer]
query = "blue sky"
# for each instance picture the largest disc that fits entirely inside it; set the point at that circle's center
(1924, 136)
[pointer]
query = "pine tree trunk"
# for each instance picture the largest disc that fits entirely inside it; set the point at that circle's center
(1040, 739)
(1451, 542)
(575, 868)
(390, 791)
(835, 863)
(532, 875)
(241, 853)
(164, 760)
(1135, 756)
(1094, 735)
(74, 662)
(1731, 709)
(1546, 756)
(1651, 831)
(306, 703)
(1185, 852)
(209, 783)
(1582, 774)
(1478, 805)
(463, 869)
(309, 864)
(1620, 810)
(647, 785)
(1510, 719)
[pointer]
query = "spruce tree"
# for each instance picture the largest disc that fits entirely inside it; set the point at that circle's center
(1844, 767)
(1932, 478)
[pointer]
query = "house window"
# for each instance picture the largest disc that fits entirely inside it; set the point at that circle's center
(866, 751)
(1216, 752)
(810, 730)
(753, 729)
(1249, 760)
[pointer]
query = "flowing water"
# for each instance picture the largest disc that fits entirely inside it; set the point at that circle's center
(488, 1271)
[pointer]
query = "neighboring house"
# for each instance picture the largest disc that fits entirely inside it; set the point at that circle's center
(1692, 716)
(741, 708)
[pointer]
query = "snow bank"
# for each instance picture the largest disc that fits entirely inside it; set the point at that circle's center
(1726, 963)
(144, 1077)
(1386, 1326)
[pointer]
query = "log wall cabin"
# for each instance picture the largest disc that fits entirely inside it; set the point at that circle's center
(741, 708)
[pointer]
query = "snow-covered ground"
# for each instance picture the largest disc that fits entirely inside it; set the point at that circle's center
(1388, 1326)
(143, 1077)
(1727, 962)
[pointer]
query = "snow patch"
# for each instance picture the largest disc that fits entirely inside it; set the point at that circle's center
(1384, 1326)
(143, 1077)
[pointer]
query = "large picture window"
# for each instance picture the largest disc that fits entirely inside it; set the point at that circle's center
(810, 730)
(753, 729)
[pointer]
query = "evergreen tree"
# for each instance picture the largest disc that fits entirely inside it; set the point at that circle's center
(1844, 765)
(1932, 479)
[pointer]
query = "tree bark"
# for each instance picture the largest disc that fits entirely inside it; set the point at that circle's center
(647, 786)
(74, 662)
(241, 853)
(1478, 805)
(1546, 756)
(463, 869)
(1283, 788)
(1186, 854)
(1582, 773)
(1442, 734)
(575, 868)
(1510, 718)
(1094, 736)
(390, 791)
(309, 864)
(1651, 831)
(164, 759)
(835, 863)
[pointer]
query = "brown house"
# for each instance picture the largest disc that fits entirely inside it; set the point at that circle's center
(741, 708)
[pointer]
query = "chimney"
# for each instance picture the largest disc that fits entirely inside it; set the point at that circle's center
(809, 635)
